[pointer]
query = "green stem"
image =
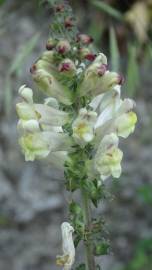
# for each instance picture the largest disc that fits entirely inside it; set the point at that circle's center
(90, 262)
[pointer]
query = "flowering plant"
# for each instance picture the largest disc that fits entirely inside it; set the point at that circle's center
(77, 128)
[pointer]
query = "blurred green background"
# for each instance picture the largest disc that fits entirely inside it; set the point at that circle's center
(32, 196)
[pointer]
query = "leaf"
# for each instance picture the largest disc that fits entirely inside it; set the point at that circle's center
(114, 51)
(75, 209)
(102, 248)
(107, 9)
(132, 71)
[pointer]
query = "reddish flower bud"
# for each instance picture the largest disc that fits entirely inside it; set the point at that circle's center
(90, 56)
(102, 69)
(68, 22)
(85, 39)
(63, 46)
(64, 67)
(121, 79)
(85, 53)
(67, 66)
(59, 8)
(51, 43)
(33, 69)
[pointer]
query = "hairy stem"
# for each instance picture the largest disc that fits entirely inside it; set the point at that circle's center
(90, 262)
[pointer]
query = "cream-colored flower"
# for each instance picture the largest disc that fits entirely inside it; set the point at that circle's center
(32, 115)
(108, 158)
(67, 259)
(114, 114)
(97, 79)
(83, 126)
(39, 145)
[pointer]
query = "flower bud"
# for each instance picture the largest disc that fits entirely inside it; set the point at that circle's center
(33, 69)
(121, 79)
(68, 22)
(85, 53)
(63, 46)
(101, 59)
(51, 43)
(47, 83)
(48, 56)
(85, 39)
(59, 8)
(67, 67)
(26, 93)
(42, 64)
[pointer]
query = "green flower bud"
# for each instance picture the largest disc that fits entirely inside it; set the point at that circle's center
(51, 43)
(48, 84)
(63, 46)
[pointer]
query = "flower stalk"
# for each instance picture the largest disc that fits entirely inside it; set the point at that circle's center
(90, 261)
(76, 128)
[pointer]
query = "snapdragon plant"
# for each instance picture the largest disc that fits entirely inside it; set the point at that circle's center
(76, 128)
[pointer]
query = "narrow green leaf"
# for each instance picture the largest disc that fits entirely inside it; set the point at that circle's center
(132, 71)
(114, 51)
(107, 9)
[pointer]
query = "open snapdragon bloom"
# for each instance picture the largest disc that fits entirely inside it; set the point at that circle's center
(83, 96)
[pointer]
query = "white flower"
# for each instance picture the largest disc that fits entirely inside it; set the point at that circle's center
(68, 257)
(44, 115)
(108, 157)
(83, 126)
(40, 127)
(114, 114)
(39, 144)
